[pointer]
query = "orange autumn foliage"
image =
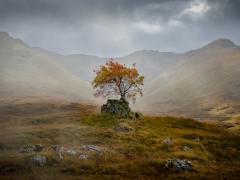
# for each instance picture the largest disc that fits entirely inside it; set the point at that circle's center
(114, 79)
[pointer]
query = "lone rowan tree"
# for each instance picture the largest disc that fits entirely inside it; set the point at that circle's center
(114, 79)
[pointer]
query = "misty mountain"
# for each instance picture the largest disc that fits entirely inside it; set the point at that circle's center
(202, 83)
(26, 71)
(81, 65)
(150, 63)
(205, 82)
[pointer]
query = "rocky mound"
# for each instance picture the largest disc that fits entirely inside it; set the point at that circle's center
(120, 108)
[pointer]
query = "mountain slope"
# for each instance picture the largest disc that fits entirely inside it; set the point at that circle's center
(203, 83)
(26, 71)
(82, 65)
(206, 78)
(150, 63)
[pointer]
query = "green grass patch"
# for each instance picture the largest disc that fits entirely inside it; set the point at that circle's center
(101, 120)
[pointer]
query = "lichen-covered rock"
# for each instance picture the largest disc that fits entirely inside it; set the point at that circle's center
(58, 148)
(38, 160)
(26, 149)
(71, 152)
(31, 148)
(38, 147)
(179, 164)
(167, 141)
(92, 148)
(119, 108)
(83, 156)
(122, 129)
(185, 148)
(62, 151)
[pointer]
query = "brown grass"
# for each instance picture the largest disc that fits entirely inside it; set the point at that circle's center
(138, 154)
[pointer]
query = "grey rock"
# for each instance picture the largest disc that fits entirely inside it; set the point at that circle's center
(38, 147)
(119, 108)
(55, 147)
(167, 141)
(122, 129)
(38, 160)
(71, 152)
(179, 164)
(58, 148)
(26, 149)
(185, 148)
(84, 156)
(31, 148)
(92, 148)
(62, 151)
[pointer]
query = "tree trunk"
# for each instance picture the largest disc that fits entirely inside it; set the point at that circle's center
(123, 98)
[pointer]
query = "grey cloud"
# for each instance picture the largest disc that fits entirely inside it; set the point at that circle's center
(115, 28)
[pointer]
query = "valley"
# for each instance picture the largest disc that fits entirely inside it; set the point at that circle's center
(198, 83)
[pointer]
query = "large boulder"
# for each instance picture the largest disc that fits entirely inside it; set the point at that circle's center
(119, 108)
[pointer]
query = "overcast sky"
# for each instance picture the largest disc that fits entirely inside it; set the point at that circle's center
(118, 27)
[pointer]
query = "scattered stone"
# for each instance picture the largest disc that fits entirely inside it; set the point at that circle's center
(92, 148)
(84, 156)
(167, 141)
(185, 148)
(71, 152)
(26, 149)
(122, 129)
(31, 148)
(62, 150)
(119, 108)
(197, 138)
(56, 147)
(38, 147)
(179, 164)
(38, 160)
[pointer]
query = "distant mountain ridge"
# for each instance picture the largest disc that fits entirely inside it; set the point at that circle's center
(203, 83)
(150, 63)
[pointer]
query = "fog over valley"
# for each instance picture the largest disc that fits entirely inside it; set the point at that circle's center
(185, 83)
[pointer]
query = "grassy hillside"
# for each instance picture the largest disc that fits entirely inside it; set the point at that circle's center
(137, 152)
(233, 123)
(207, 78)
